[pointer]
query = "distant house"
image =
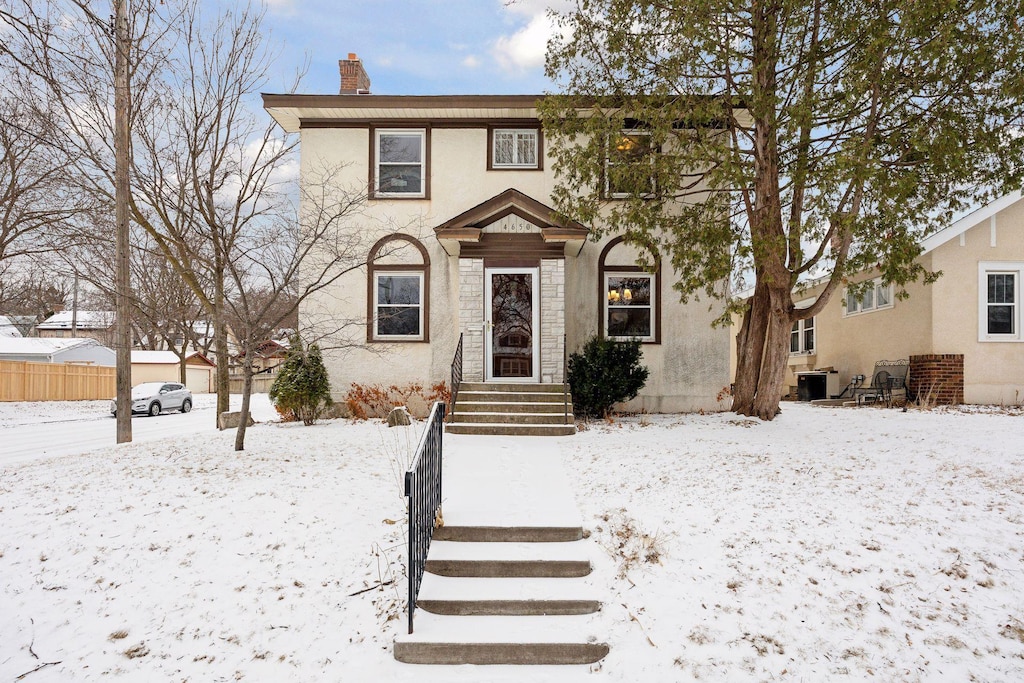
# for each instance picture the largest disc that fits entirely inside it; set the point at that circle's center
(8, 328)
(36, 350)
(963, 333)
(267, 356)
(159, 366)
(98, 325)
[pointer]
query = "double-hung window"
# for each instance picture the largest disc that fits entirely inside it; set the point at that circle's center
(401, 163)
(628, 165)
(398, 305)
(877, 296)
(801, 338)
(629, 306)
(515, 148)
(999, 310)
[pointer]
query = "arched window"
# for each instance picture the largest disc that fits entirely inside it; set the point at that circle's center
(398, 291)
(629, 296)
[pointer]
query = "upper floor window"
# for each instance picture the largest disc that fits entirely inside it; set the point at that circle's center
(515, 148)
(999, 316)
(400, 159)
(875, 297)
(628, 165)
(801, 338)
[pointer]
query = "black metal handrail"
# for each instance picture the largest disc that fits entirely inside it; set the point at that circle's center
(565, 377)
(456, 375)
(423, 488)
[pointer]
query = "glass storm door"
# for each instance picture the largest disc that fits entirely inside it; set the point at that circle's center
(511, 324)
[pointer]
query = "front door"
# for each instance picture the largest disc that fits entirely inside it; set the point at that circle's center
(512, 332)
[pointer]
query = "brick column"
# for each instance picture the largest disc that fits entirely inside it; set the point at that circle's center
(937, 378)
(552, 319)
(471, 318)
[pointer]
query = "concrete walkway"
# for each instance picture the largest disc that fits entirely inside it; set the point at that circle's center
(508, 574)
(506, 481)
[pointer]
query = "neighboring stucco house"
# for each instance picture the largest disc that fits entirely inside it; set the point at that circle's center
(462, 241)
(973, 311)
(36, 350)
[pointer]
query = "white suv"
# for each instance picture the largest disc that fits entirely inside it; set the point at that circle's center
(152, 398)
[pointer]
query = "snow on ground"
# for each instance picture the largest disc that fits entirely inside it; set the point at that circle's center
(32, 430)
(829, 544)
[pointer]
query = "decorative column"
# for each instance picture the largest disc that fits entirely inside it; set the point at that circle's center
(471, 318)
(552, 319)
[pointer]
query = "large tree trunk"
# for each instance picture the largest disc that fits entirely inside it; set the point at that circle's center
(750, 351)
(776, 355)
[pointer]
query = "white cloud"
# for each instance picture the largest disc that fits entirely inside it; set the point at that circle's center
(471, 61)
(525, 48)
(281, 6)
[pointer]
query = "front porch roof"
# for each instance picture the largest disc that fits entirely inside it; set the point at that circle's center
(468, 226)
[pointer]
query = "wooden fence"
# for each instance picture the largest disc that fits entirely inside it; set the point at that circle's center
(260, 384)
(25, 381)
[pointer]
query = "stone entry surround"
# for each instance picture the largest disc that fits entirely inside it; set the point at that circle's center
(552, 318)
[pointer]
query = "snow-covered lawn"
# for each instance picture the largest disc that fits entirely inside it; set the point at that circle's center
(829, 544)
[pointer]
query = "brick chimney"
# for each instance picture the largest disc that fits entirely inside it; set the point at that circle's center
(354, 80)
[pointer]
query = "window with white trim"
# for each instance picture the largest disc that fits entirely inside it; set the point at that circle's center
(629, 306)
(398, 305)
(874, 298)
(401, 163)
(999, 291)
(514, 148)
(801, 338)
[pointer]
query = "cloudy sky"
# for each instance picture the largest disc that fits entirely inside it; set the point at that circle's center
(414, 47)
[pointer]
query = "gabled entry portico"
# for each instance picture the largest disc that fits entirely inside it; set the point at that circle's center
(511, 253)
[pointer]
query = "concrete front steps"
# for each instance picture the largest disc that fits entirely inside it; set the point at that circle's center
(518, 597)
(511, 409)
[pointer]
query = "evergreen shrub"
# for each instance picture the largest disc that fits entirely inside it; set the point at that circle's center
(302, 387)
(606, 372)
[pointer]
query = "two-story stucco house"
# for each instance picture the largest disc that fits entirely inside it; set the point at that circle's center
(461, 241)
(962, 334)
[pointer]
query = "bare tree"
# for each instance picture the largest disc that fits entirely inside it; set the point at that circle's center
(279, 264)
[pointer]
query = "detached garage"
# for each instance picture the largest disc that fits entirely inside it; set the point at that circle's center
(165, 366)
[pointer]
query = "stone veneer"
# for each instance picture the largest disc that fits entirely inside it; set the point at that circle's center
(471, 318)
(937, 378)
(552, 319)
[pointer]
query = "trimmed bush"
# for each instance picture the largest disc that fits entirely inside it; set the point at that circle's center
(302, 387)
(605, 373)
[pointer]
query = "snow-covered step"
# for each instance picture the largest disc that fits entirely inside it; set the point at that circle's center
(535, 596)
(508, 559)
(442, 639)
(527, 409)
(495, 416)
(513, 407)
(493, 429)
(508, 534)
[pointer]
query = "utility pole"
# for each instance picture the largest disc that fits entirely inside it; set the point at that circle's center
(123, 343)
